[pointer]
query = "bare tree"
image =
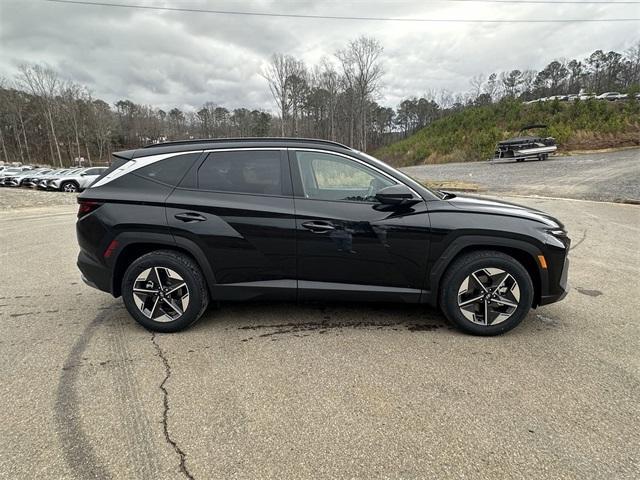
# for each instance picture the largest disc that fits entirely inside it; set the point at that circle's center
(277, 74)
(491, 86)
(477, 81)
(44, 84)
(363, 71)
(329, 80)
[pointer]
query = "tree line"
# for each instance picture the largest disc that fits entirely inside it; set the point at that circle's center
(45, 119)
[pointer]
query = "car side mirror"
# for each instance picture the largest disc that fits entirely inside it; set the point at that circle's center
(397, 195)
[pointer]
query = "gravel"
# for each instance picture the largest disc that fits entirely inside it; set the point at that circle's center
(610, 176)
(17, 198)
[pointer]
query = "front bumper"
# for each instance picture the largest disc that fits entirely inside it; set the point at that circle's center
(563, 287)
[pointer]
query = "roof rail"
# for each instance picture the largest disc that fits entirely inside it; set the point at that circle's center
(249, 139)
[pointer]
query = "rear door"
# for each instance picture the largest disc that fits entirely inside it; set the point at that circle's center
(237, 206)
(348, 244)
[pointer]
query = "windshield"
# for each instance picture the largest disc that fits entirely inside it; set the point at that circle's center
(404, 175)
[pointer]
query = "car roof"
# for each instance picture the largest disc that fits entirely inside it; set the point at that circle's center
(209, 144)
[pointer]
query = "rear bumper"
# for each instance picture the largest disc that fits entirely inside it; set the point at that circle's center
(94, 273)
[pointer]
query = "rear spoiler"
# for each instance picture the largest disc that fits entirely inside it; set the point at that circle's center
(125, 154)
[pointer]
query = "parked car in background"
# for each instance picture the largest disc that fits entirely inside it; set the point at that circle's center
(611, 96)
(21, 179)
(525, 147)
(31, 179)
(76, 181)
(10, 172)
(42, 182)
(50, 181)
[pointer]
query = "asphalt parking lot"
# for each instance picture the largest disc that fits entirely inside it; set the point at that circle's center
(603, 176)
(317, 390)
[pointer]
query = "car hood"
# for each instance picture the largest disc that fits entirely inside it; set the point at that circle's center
(496, 207)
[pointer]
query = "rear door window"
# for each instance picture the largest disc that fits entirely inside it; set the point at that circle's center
(256, 172)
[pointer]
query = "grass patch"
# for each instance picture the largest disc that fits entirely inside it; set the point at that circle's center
(472, 134)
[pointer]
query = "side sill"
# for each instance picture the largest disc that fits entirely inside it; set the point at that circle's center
(308, 290)
(261, 290)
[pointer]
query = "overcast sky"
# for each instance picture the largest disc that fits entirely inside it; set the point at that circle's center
(168, 59)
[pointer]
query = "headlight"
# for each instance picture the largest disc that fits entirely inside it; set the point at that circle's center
(558, 237)
(557, 232)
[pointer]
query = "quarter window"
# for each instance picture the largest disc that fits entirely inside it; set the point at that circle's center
(257, 172)
(170, 170)
(331, 177)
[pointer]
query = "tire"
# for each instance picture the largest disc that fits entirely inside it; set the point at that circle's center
(69, 187)
(459, 287)
(159, 312)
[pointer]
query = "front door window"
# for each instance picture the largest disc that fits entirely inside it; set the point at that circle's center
(331, 177)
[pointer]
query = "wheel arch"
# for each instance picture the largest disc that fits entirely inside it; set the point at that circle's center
(130, 249)
(64, 182)
(523, 252)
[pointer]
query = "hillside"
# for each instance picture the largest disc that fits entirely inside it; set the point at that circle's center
(471, 134)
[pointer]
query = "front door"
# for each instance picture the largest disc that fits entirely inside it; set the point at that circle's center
(348, 244)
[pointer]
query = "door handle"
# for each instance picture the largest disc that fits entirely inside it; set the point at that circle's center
(190, 217)
(318, 227)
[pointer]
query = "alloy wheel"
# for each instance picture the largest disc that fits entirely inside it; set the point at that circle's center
(161, 294)
(488, 296)
(70, 187)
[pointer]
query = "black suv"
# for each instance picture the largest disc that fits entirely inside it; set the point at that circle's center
(174, 226)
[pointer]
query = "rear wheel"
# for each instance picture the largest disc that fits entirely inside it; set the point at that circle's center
(486, 293)
(164, 291)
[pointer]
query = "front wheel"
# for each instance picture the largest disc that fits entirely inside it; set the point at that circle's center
(164, 291)
(486, 293)
(69, 187)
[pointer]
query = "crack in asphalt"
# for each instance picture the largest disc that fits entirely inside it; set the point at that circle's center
(165, 412)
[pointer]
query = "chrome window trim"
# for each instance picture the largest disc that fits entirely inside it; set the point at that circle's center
(143, 161)
(368, 165)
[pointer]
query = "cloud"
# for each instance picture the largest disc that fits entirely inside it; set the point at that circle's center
(169, 59)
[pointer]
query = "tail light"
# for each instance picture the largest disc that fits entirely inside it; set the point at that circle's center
(85, 207)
